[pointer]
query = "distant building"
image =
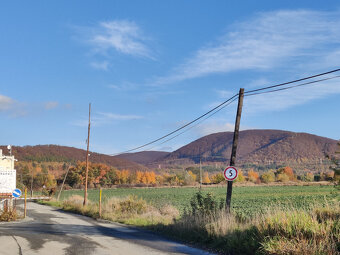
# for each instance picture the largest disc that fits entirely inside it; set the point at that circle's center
(6, 162)
(7, 174)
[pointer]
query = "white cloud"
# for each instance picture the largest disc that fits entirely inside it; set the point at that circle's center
(267, 41)
(214, 127)
(104, 65)
(6, 103)
(114, 116)
(51, 105)
(287, 98)
(12, 107)
(125, 86)
(102, 118)
(122, 36)
(225, 93)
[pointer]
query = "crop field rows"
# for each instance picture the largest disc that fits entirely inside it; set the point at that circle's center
(246, 200)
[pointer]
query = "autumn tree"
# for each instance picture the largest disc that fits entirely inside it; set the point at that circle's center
(282, 177)
(206, 178)
(189, 178)
(240, 177)
(268, 177)
(253, 176)
(288, 171)
(309, 177)
(217, 178)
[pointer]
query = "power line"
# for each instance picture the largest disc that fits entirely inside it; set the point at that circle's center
(294, 81)
(290, 87)
(180, 128)
(247, 93)
(224, 106)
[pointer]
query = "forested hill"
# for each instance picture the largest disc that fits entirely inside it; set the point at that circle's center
(56, 153)
(256, 146)
(144, 157)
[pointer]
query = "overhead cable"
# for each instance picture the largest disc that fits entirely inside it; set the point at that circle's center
(180, 128)
(290, 82)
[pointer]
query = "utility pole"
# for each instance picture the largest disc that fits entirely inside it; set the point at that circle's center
(234, 148)
(87, 156)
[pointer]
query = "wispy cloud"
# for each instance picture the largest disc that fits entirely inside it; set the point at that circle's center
(125, 86)
(103, 65)
(5, 103)
(268, 40)
(287, 98)
(51, 105)
(121, 36)
(114, 116)
(214, 127)
(101, 118)
(12, 107)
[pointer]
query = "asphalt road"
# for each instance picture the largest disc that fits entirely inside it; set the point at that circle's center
(48, 230)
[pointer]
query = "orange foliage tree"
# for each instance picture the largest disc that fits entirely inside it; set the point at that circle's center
(206, 178)
(253, 176)
(288, 171)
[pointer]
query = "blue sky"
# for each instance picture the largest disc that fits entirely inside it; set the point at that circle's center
(148, 67)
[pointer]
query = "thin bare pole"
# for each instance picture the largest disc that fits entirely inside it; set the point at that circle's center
(62, 185)
(234, 148)
(25, 205)
(87, 156)
(100, 202)
(32, 182)
(200, 173)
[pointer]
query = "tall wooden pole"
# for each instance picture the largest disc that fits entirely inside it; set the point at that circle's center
(234, 148)
(87, 156)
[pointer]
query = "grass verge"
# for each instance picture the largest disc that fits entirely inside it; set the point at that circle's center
(277, 230)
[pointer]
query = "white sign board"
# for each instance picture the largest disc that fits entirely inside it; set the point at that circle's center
(7, 181)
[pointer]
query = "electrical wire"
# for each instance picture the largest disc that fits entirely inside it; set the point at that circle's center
(290, 82)
(233, 98)
(180, 128)
(290, 87)
(224, 106)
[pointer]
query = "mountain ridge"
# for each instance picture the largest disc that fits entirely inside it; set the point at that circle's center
(59, 153)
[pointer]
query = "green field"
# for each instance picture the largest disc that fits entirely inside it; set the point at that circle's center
(245, 200)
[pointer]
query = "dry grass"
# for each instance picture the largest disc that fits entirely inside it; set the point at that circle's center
(278, 231)
(129, 210)
(9, 215)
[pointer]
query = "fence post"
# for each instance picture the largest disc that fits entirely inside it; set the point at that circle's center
(100, 202)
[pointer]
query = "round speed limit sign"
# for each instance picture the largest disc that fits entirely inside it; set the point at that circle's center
(230, 173)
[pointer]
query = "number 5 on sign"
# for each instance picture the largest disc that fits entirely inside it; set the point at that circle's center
(230, 173)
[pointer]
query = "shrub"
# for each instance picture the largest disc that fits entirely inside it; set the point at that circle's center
(9, 215)
(309, 177)
(240, 177)
(253, 176)
(282, 177)
(268, 177)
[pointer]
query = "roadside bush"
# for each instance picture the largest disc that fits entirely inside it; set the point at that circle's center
(275, 231)
(9, 215)
(201, 205)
